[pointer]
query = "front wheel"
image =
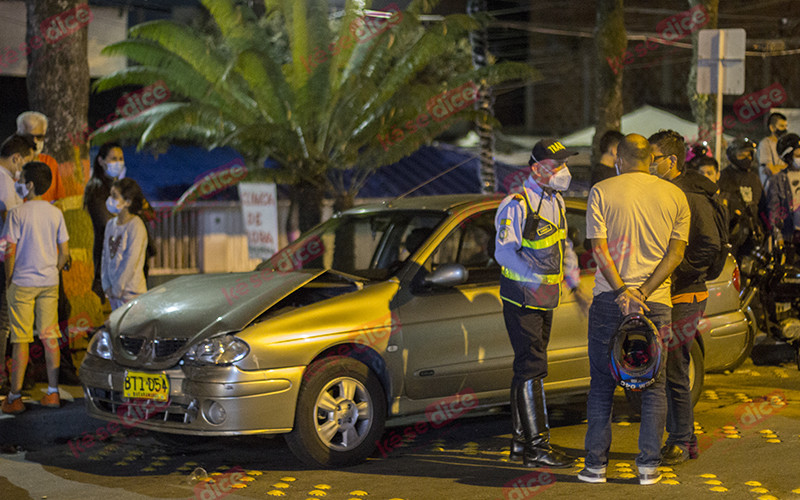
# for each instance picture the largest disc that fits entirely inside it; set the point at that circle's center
(341, 410)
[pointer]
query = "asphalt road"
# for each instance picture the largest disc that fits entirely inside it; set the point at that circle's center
(462, 460)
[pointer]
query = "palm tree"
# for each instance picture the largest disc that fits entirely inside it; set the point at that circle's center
(329, 100)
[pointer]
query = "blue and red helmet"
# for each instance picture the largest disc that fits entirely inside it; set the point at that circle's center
(635, 353)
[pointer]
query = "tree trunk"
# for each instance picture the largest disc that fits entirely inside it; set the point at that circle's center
(310, 197)
(703, 105)
(58, 86)
(611, 41)
(480, 55)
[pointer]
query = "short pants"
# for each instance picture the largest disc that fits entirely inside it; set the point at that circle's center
(28, 302)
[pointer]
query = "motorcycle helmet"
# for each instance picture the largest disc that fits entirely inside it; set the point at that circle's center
(786, 146)
(635, 353)
(698, 149)
(737, 146)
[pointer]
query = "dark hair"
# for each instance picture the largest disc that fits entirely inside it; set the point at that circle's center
(670, 143)
(16, 143)
(610, 138)
(774, 117)
(97, 170)
(702, 161)
(129, 190)
(39, 174)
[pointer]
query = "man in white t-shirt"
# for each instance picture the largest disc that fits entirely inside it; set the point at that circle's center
(769, 161)
(37, 250)
(15, 152)
(648, 218)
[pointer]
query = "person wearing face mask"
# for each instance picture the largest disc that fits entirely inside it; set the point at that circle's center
(109, 165)
(536, 255)
(652, 217)
(125, 244)
(15, 152)
(783, 193)
(689, 293)
(34, 125)
(769, 160)
(741, 188)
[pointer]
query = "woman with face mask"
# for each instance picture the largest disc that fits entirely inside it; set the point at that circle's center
(124, 244)
(109, 165)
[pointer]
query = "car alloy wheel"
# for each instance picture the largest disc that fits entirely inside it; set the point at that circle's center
(343, 413)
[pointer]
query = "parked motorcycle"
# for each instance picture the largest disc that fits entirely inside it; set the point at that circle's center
(772, 291)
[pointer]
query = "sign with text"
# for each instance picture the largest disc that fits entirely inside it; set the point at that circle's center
(260, 215)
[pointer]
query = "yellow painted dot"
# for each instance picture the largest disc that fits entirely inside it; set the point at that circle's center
(162, 457)
(624, 470)
(766, 431)
(669, 481)
(720, 489)
(728, 427)
(286, 479)
(148, 469)
(247, 479)
(190, 463)
(281, 486)
(796, 491)
(256, 473)
(623, 424)
(158, 464)
(121, 463)
(698, 431)
(95, 457)
(183, 467)
(759, 490)
(622, 464)
(359, 493)
(668, 475)
(714, 482)
(708, 476)
(730, 431)
(276, 493)
(627, 475)
(322, 486)
(136, 452)
(767, 497)
(215, 474)
(773, 440)
(752, 483)
(238, 485)
(317, 493)
(664, 468)
(771, 436)
(733, 436)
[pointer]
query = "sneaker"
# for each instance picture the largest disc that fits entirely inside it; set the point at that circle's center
(649, 476)
(592, 475)
(51, 400)
(15, 407)
(673, 455)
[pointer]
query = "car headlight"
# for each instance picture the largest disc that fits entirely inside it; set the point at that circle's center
(222, 350)
(100, 345)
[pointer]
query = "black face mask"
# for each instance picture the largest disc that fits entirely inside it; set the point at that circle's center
(779, 133)
(742, 164)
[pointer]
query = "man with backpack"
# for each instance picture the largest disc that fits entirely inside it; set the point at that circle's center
(703, 259)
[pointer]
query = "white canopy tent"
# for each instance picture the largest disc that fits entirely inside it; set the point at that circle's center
(646, 120)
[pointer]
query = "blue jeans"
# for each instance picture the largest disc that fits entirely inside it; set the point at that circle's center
(604, 318)
(680, 412)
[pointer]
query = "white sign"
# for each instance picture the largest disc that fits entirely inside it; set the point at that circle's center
(721, 49)
(260, 214)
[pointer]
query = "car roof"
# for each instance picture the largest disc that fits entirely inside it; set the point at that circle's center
(445, 203)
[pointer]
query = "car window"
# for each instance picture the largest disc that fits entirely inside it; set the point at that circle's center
(471, 244)
(576, 232)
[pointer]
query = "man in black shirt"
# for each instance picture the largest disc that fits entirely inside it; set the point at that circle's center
(741, 190)
(608, 152)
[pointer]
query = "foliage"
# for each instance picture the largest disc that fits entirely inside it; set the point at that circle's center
(297, 87)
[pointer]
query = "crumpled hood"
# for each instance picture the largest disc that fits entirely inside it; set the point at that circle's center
(695, 182)
(190, 308)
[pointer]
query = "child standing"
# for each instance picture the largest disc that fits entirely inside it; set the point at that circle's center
(37, 250)
(125, 244)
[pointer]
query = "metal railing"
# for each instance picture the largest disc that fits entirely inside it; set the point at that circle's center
(176, 237)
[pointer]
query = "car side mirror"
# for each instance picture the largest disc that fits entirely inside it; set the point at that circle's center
(447, 275)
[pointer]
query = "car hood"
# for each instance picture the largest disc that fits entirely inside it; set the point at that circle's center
(156, 328)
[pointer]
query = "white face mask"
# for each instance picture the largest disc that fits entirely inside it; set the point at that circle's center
(111, 205)
(21, 189)
(115, 169)
(560, 180)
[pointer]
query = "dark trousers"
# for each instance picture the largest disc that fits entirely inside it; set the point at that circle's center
(529, 333)
(4, 326)
(680, 412)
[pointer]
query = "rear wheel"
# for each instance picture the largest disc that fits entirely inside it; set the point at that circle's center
(341, 410)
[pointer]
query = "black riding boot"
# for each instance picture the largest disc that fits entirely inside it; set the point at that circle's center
(517, 435)
(533, 416)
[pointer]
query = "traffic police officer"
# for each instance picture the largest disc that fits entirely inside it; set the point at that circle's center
(536, 256)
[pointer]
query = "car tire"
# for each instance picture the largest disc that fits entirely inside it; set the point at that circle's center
(696, 379)
(340, 415)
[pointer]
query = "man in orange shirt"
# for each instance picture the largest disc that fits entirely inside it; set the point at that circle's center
(34, 124)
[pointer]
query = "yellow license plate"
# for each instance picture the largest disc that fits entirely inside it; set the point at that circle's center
(140, 385)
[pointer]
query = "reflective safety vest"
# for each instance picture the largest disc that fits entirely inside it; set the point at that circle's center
(544, 245)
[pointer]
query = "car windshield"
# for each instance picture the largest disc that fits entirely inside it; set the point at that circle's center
(371, 245)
